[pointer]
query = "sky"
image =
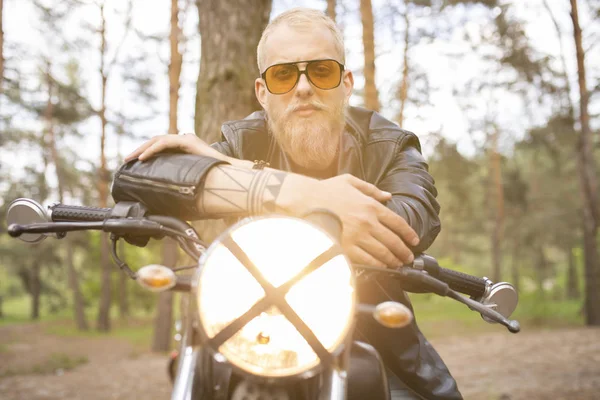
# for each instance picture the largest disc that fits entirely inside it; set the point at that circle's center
(151, 17)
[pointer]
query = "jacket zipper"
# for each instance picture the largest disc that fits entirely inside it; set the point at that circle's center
(187, 190)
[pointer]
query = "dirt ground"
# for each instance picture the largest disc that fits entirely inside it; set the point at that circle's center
(553, 364)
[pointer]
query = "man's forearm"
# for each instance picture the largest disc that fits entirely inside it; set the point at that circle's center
(237, 190)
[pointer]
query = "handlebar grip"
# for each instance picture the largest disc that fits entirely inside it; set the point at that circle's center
(463, 283)
(65, 213)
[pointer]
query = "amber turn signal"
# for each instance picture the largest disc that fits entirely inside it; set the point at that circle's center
(392, 314)
(156, 278)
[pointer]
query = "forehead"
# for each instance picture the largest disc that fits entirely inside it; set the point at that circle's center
(290, 44)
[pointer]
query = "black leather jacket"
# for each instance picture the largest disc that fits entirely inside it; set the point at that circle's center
(373, 149)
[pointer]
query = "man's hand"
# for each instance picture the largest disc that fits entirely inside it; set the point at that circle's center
(188, 143)
(372, 233)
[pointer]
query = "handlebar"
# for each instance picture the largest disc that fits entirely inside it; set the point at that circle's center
(66, 213)
(459, 281)
(130, 220)
(71, 218)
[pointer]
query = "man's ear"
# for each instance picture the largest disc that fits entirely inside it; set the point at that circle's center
(348, 84)
(261, 92)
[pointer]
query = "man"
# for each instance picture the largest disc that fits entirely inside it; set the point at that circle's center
(349, 160)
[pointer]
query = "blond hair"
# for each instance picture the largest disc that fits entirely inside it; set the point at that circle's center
(301, 18)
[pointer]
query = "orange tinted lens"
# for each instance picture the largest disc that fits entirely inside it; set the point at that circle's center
(324, 74)
(281, 78)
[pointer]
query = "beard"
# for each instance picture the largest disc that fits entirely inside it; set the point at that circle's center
(312, 142)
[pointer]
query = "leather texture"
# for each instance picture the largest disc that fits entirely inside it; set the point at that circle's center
(167, 184)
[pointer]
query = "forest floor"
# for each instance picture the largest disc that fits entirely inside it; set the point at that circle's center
(535, 364)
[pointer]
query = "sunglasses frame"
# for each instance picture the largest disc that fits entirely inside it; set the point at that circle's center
(301, 72)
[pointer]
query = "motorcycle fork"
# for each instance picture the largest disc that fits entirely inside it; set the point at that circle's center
(187, 357)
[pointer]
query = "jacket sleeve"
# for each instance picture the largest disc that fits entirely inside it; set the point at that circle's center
(413, 191)
(168, 184)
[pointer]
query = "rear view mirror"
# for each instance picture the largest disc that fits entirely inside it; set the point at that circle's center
(26, 211)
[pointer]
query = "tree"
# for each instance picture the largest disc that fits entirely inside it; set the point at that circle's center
(230, 31)
(497, 199)
(106, 66)
(1, 82)
(59, 167)
(163, 321)
(410, 76)
(1, 47)
(331, 9)
(589, 186)
(58, 104)
(28, 265)
(70, 108)
(572, 289)
(403, 90)
(371, 95)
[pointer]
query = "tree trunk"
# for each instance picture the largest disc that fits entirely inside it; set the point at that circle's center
(164, 314)
(123, 292)
(123, 296)
(330, 9)
(230, 31)
(563, 61)
(164, 310)
(366, 15)
(572, 289)
(174, 67)
(403, 91)
(78, 305)
(498, 191)
(1, 47)
(103, 322)
(514, 268)
(572, 276)
(589, 188)
(540, 266)
(35, 289)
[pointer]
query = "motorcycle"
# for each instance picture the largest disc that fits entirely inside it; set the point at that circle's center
(269, 307)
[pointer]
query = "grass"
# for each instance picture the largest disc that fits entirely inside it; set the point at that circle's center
(17, 310)
(56, 363)
(138, 332)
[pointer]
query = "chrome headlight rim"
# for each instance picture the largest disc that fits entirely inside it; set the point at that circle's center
(325, 358)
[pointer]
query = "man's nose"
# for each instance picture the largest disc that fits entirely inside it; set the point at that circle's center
(304, 87)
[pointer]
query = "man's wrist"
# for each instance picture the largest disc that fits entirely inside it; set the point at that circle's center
(246, 164)
(297, 194)
(297, 191)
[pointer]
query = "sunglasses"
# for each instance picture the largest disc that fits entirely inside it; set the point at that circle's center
(324, 74)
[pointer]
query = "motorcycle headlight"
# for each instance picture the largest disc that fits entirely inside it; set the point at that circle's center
(277, 250)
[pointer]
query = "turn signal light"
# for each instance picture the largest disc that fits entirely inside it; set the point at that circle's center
(156, 278)
(392, 314)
